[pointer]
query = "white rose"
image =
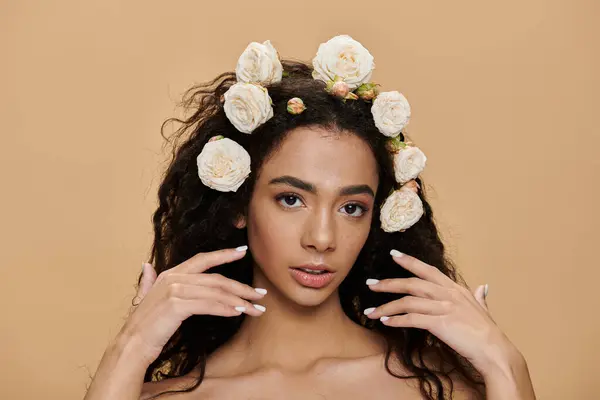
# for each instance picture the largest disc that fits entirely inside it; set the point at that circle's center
(391, 112)
(409, 162)
(247, 106)
(259, 63)
(401, 210)
(223, 165)
(345, 58)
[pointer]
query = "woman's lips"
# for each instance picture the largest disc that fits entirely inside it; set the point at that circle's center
(311, 280)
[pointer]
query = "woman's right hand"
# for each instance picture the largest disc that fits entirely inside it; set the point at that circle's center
(164, 302)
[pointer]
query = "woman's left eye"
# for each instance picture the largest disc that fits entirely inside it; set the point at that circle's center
(353, 207)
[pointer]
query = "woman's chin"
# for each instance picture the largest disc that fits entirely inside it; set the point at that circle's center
(308, 297)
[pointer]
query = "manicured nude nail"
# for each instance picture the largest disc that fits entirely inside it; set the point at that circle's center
(241, 248)
(384, 318)
(485, 292)
(369, 310)
(372, 281)
(396, 253)
(261, 291)
(240, 309)
(259, 307)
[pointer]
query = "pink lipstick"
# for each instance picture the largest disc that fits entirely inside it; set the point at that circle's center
(312, 276)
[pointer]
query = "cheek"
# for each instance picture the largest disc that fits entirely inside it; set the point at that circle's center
(270, 235)
(352, 241)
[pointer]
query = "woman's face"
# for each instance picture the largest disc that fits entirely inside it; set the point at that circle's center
(312, 205)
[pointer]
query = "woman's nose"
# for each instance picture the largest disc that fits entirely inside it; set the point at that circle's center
(319, 232)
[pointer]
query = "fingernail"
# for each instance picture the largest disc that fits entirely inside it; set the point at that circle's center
(485, 291)
(241, 248)
(369, 310)
(143, 264)
(259, 307)
(384, 318)
(240, 309)
(261, 291)
(372, 281)
(396, 253)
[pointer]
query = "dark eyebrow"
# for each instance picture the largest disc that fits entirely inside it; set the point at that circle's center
(309, 187)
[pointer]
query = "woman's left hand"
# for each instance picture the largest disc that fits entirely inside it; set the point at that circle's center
(447, 310)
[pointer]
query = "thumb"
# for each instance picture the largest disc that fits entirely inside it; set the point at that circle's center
(148, 279)
(481, 295)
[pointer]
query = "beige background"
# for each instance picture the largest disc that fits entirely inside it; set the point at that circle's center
(505, 101)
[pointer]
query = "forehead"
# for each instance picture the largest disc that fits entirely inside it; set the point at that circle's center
(327, 159)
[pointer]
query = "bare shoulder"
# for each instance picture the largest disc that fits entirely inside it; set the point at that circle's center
(334, 378)
(461, 388)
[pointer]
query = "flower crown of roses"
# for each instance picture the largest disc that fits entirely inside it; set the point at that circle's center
(346, 67)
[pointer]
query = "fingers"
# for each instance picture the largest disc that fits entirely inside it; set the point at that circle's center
(183, 291)
(148, 279)
(229, 285)
(421, 269)
(415, 286)
(216, 287)
(189, 307)
(211, 293)
(420, 321)
(203, 261)
(216, 281)
(480, 295)
(409, 304)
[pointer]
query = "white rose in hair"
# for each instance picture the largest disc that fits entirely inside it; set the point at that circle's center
(259, 63)
(391, 112)
(409, 162)
(345, 58)
(247, 106)
(223, 165)
(401, 210)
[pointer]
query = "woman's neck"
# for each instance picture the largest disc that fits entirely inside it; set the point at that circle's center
(291, 337)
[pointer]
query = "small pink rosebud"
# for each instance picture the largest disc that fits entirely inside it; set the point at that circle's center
(340, 89)
(411, 185)
(295, 106)
(214, 138)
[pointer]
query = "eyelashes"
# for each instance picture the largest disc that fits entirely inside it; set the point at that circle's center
(283, 200)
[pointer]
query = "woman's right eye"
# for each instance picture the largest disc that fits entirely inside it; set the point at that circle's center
(288, 200)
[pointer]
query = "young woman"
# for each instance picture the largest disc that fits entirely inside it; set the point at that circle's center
(296, 256)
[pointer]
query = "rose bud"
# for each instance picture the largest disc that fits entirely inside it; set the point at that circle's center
(340, 89)
(394, 145)
(295, 106)
(411, 185)
(367, 91)
(214, 138)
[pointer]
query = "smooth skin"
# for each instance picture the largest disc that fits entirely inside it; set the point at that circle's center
(304, 346)
(460, 319)
(166, 301)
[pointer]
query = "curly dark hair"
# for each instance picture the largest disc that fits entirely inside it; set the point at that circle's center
(192, 218)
